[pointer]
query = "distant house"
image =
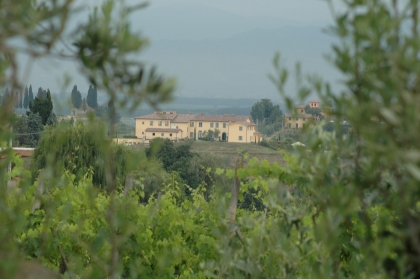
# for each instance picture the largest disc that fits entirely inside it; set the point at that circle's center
(314, 104)
(22, 151)
(299, 118)
(174, 126)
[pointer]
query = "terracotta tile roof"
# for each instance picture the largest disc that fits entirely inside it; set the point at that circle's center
(22, 151)
(299, 115)
(300, 107)
(174, 117)
(314, 102)
(163, 130)
(183, 118)
(220, 118)
(158, 116)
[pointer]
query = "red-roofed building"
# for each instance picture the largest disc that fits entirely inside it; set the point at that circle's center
(170, 124)
(22, 151)
(299, 117)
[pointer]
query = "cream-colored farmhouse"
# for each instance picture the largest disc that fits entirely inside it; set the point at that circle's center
(299, 117)
(174, 126)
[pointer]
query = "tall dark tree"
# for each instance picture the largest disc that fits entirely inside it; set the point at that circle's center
(112, 115)
(31, 95)
(17, 99)
(73, 95)
(95, 97)
(42, 106)
(265, 112)
(89, 97)
(21, 94)
(76, 97)
(79, 100)
(42, 93)
(92, 97)
(26, 98)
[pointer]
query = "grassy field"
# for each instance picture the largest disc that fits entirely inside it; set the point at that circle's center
(230, 151)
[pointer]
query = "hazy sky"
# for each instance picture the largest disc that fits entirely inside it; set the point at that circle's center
(217, 47)
(302, 10)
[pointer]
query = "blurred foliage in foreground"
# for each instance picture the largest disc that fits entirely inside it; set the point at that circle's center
(344, 207)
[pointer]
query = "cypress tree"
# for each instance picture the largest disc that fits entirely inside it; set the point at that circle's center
(95, 97)
(31, 95)
(26, 98)
(89, 98)
(49, 104)
(20, 99)
(78, 101)
(74, 96)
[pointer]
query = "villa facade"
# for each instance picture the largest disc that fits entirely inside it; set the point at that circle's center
(174, 126)
(299, 117)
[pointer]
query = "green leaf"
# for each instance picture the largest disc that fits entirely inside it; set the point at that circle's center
(220, 171)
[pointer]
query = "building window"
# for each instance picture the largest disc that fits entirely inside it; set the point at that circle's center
(200, 134)
(160, 123)
(142, 133)
(240, 128)
(170, 135)
(200, 124)
(142, 123)
(166, 123)
(297, 125)
(304, 119)
(301, 110)
(151, 123)
(162, 134)
(191, 124)
(240, 137)
(191, 135)
(153, 134)
(217, 125)
(211, 125)
(290, 119)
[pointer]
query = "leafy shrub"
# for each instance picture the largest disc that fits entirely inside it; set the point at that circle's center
(75, 148)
